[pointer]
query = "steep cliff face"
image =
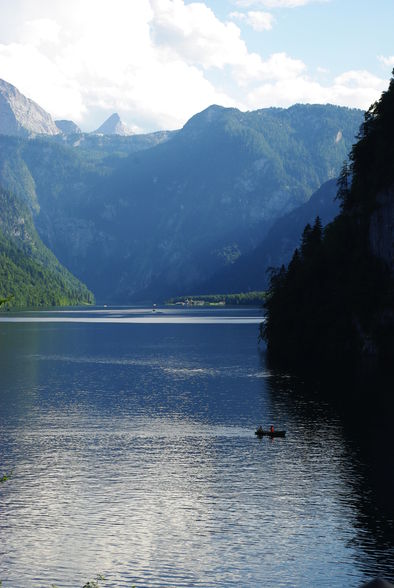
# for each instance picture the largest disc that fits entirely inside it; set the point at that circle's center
(381, 228)
(21, 116)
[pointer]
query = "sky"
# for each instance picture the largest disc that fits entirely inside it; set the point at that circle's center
(158, 62)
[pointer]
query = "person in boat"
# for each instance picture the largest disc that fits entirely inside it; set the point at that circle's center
(272, 429)
(259, 430)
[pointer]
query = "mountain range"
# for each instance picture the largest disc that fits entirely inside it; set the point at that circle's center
(22, 117)
(147, 216)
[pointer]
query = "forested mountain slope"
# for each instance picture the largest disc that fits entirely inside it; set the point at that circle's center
(29, 272)
(334, 302)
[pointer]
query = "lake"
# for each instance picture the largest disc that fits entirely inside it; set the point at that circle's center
(130, 437)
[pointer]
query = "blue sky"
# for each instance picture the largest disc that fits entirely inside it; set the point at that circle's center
(157, 62)
(337, 34)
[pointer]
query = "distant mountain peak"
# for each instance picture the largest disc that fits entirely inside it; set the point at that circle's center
(21, 116)
(113, 126)
(68, 127)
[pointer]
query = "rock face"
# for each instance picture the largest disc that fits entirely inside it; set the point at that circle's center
(381, 228)
(113, 126)
(20, 116)
(68, 127)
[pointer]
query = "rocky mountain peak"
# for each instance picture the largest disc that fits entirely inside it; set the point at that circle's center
(113, 126)
(21, 116)
(68, 127)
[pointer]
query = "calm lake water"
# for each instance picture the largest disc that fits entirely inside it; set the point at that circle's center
(131, 440)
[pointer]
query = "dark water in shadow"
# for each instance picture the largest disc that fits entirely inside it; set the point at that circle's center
(133, 455)
(367, 436)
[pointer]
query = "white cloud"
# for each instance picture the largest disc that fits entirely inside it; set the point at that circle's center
(356, 89)
(156, 62)
(278, 66)
(145, 59)
(388, 61)
(358, 79)
(258, 20)
(37, 76)
(41, 30)
(276, 3)
(193, 32)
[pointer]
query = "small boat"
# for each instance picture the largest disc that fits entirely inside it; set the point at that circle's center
(261, 433)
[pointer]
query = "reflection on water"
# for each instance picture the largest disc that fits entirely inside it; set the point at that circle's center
(369, 464)
(133, 453)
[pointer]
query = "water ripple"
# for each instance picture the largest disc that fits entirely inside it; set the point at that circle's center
(135, 457)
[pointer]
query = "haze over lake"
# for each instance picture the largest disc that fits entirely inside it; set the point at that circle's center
(130, 435)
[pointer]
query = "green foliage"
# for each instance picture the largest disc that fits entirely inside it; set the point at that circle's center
(5, 300)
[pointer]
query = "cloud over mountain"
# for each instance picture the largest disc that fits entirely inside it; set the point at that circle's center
(156, 62)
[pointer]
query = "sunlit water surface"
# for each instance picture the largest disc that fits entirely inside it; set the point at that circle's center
(130, 435)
